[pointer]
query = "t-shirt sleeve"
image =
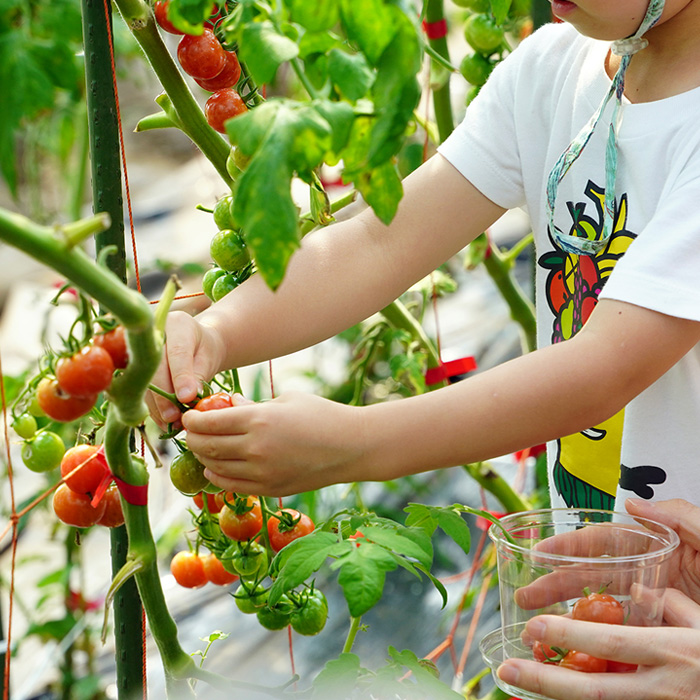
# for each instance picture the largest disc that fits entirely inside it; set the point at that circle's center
(661, 268)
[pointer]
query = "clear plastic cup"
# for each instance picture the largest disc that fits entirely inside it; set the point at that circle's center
(548, 559)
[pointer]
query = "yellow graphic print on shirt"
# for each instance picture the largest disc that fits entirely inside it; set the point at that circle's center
(587, 465)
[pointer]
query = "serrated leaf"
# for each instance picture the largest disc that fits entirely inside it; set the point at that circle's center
(396, 541)
(449, 520)
(420, 515)
(337, 676)
(362, 575)
(298, 560)
(263, 49)
(350, 73)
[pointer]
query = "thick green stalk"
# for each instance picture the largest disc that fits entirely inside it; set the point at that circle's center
(435, 12)
(400, 317)
(141, 22)
(496, 485)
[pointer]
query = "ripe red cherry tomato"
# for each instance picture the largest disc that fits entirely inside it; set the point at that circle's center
(60, 406)
(579, 661)
(160, 9)
(241, 526)
(113, 515)
(281, 534)
(93, 468)
(213, 505)
(221, 106)
(87, 372)
(227, 78)
(114, 342)
(215, 571)
(543, 652)
(188, 569)
(621, 667)
(214, 402)
(201, 56)
(599, 607)
(75, 508)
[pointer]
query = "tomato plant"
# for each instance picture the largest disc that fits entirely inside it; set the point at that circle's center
(114, 342)
(286, 526)
(43, 451)
(76, 509)
(86, 373)
(309, 618)
(223, 105)
(60, 406)
(228, 77)
(599, 607)
(201, 56)
(187, 569)
(91, 468)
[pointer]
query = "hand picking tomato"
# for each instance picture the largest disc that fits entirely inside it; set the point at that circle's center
(221, 106)
(75, 508)
(580, 661)
(243, 521)
(201, 56)
(188, 569)
(87, 372)
(60, 406)
(227, 78)
(215, 571)
(113, 515)
(287, 527)
(114, 342)
(310, 618)
(92, 468)
(214, 402)
(599, 607)
(43, 452)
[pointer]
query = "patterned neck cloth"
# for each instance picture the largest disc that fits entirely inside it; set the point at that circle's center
(625, 48)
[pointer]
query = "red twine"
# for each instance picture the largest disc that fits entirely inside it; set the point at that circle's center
(435, 375)
(435, 30)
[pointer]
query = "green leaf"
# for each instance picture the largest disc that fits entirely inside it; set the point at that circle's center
(52, 629)
(362, 575)
(449, 520)
(430, 686)
(298, 560)
(314, 15)
(337, 677)
(263, 49)
(500, 10)
(396, 541)
(350, 73)
(381, 188)
(317, 42)
(189, 15)
(437, 583)
(370, 24)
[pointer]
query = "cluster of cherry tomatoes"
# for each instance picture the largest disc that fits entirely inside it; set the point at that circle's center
(87, 495)
(592, 607)
(211, 66)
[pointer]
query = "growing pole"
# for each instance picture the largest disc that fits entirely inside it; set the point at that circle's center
(107, 197)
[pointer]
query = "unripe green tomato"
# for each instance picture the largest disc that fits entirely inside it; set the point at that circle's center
(210, 276)
(483, 34)
(43, 452)
(474, 5)
(476, 68)
(250, 603)
(25, 425)
(187, 474)
(229, 251)
(239, 161)
(250, 560)
(276, 618)
(34, 408)
(310, 618)
(223, 217)
(223, 286)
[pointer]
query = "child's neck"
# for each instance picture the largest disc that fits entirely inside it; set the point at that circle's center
(670, 64)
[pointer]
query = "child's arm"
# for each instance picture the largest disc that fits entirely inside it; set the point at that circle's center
(342, 274)
(298, 443)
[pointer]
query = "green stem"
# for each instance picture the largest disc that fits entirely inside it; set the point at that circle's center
(141, 22)
(435, 12)
(400, 317)
(496, 485)
(352, 634)
(521, 308)
(159, 120)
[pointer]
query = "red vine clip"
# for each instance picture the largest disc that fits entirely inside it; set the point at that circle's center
(435, 375)
(435, 30)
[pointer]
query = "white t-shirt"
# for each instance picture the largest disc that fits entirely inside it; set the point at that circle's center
(534, 104)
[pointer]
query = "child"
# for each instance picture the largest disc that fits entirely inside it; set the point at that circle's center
(618, 398)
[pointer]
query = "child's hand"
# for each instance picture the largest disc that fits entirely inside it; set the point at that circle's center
(193, 354)
(287, 445)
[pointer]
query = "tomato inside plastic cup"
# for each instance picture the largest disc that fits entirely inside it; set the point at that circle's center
(549, 559)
